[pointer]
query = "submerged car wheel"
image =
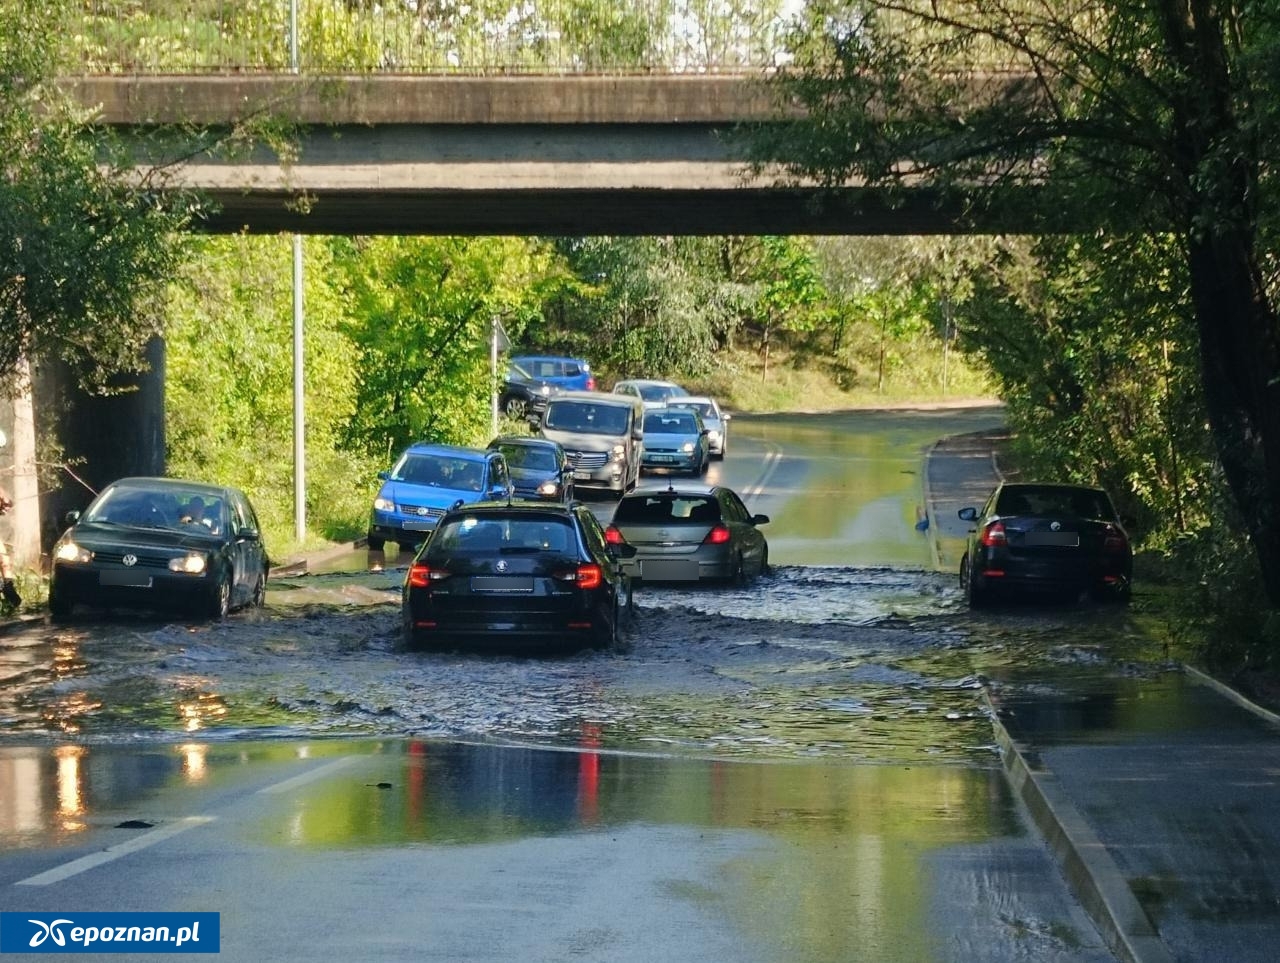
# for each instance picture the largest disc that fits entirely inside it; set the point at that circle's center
(375, 543)
(259, 598)
(60, 607)
(410, 638)
(973, 595)
(218, 604)
(605, 635)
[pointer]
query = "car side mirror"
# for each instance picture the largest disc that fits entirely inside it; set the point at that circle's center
(726, 417)
(250, 534)
(622, 551)
(384, 476)
(968, 514)
(759, 519)
(71, 518)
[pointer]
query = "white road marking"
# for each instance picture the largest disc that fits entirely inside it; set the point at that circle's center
(771, 463)
(77, 866)
(318, 773)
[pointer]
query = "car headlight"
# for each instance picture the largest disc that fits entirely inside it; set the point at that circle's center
(713, 435)
(547, 488)
(618, 454)
(545, 390)
(384, 504)
(193, 563)
(73, 553)
(687, 448)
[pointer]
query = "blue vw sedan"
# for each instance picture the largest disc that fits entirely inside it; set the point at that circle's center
(425, 482)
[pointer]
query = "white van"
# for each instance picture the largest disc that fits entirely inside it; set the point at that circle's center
(603, 435)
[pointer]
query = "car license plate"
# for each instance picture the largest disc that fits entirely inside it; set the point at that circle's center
(419, 526)
(502, 583)
(582, 475)
(669, 570)
(1062, 539)
(662, 459)
(126, 577)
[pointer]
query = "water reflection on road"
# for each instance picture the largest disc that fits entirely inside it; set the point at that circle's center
(689, 859)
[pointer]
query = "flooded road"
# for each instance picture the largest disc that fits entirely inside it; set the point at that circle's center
(858, 662)
(801, 769)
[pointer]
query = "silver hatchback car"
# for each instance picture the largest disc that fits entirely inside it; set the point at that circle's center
(689, 534)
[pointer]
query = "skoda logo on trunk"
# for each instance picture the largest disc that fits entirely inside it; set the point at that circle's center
(130, 560)
(1054, 526)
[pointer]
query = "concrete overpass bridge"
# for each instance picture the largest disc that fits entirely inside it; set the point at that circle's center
(575, 154)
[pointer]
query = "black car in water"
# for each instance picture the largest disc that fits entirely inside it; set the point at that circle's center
(518, 573)
(154, 543)
(1048, 539)
(539, 468)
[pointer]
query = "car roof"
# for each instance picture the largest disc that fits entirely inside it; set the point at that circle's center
(691, 399)
(548, 357)
(1062, 486)
(527, 440)
(599, 397)
(674, 490)
(517, 505)
(647, 381)
(155, 482)
(451, 451)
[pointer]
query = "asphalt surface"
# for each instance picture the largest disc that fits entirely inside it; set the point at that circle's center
(1158, 792)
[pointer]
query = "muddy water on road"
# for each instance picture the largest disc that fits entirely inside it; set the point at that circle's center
(868, 664)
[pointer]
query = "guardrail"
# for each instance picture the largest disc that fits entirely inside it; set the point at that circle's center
(427, 36)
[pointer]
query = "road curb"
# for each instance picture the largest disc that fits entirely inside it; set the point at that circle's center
(1231, 694)
(1089, 868)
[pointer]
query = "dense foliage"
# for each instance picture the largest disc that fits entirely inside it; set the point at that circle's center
(87, 250)
(1156, 118)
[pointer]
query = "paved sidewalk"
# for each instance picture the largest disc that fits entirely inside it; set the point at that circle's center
(1158, 789)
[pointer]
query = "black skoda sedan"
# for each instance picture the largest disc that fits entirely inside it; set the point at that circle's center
(1046, 539)
(160, 543)
(516, 574)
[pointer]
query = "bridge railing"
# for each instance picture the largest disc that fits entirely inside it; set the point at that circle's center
(427, 36)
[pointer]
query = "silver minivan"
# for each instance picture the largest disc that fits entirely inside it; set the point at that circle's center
(603, 435)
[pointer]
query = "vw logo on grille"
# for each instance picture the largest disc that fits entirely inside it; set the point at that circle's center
(130, 560)
(501, 566)
(1054, 526)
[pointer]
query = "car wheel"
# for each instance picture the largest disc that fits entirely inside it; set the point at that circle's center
(375, 543)
(259, 597)
(410, 638)
(515, 408)
(974, 596)
(764, 561)
(218, 604)
(60, 607)
(739, 575)
(606, 636)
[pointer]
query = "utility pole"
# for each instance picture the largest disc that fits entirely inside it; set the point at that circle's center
(299, 419)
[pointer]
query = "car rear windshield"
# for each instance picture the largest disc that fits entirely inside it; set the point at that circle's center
(658, 509)
(528, 456)
(529, 534)
(587, 417)
(458, 474)
(1055, 501)
(670, 423)
(701, 407)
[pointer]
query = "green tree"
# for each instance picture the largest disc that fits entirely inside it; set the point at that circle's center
(87, 248)
(1161, 112)
(420, 311)
(229, 404)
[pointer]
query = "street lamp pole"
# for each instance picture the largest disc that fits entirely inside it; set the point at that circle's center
(299, 420)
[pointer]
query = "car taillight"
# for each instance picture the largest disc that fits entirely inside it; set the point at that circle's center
(586, 576)
(613, 536)
(994, 534)
(591, 382)
(421, 574)
(1113, 540)
(718, 535)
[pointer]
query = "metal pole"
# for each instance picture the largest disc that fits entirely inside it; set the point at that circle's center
(299, 423)
(493, 373)
(299, 420)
